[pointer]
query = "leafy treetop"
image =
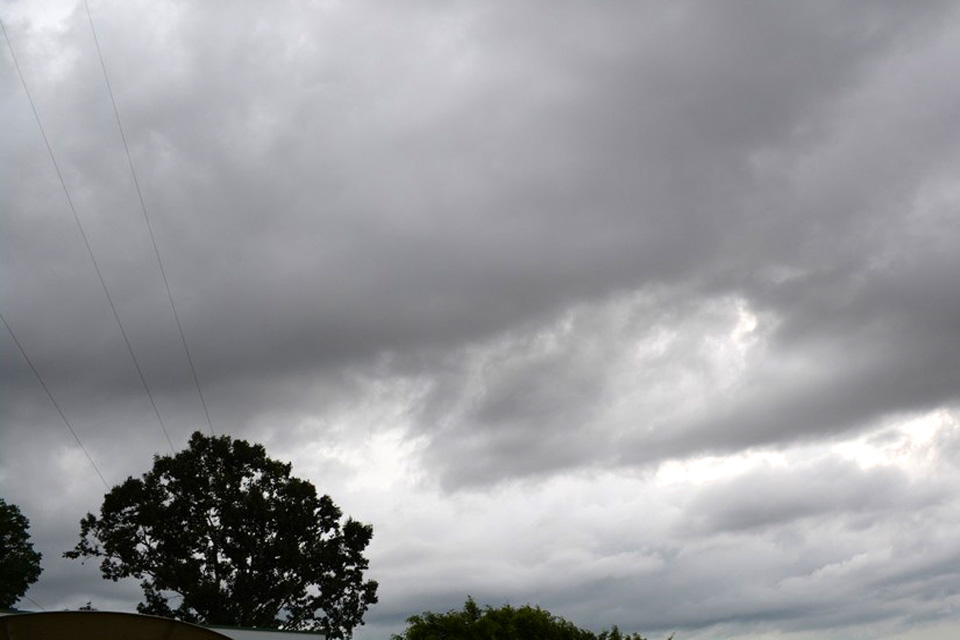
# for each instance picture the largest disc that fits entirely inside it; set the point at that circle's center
(504, 623)
(230, 536)
(19, 563)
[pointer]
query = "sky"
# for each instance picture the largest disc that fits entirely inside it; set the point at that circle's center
(646, 313)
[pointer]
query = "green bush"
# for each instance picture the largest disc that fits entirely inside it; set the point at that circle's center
(504, 623)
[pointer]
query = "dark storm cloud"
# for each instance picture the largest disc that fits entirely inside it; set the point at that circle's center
(579, 174)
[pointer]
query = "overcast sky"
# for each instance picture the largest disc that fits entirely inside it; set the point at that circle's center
(647, 313)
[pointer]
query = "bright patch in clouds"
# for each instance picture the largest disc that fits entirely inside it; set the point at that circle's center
(912, 444)
(700, 471)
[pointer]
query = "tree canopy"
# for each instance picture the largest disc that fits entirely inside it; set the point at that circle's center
(503, 623)
(226, 534)
(19, 563)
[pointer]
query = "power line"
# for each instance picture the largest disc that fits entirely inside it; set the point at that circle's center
(55, 404)
(143, 208)
(83, 235)
(26, 597)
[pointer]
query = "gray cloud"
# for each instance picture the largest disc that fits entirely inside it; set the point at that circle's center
(769, 497)
(504, 265)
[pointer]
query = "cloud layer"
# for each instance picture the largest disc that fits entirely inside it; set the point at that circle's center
(644, 313)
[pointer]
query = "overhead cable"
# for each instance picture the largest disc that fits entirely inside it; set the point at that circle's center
(143, 208)
(86, 242)
(55, 404)
(38, 606)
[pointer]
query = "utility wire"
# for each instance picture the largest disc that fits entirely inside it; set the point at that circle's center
(143, 208)
(26, 597)
(83, 235)
(55, 404)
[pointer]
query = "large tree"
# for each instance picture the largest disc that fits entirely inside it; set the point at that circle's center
(19, 563)
(226, 534)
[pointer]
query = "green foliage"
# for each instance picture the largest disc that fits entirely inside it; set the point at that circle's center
(505, 623)
(19, 563)
(230, 536)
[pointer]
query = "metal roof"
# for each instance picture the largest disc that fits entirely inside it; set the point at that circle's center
(99, 625)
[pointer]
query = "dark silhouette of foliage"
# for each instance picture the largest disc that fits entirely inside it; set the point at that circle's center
(19, 563)
(233, 539)
(504, 623)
